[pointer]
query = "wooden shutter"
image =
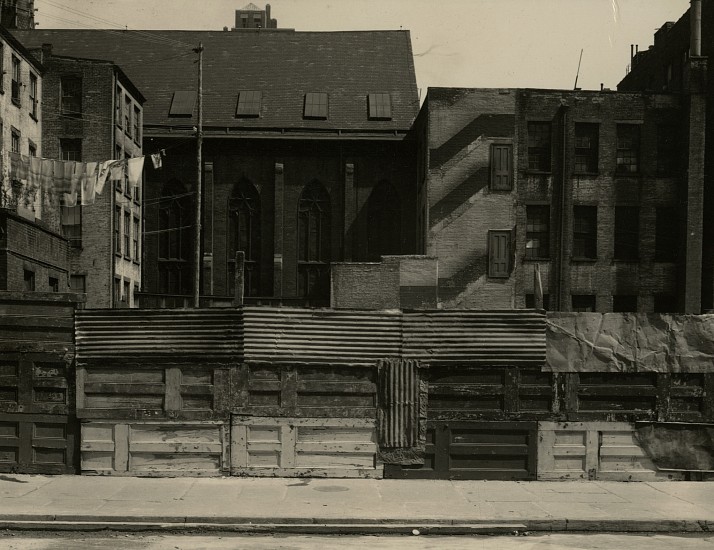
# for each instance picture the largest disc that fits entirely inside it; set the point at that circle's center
(499, 252)
(501, 167)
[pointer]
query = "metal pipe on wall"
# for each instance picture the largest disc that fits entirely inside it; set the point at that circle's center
(695, 19)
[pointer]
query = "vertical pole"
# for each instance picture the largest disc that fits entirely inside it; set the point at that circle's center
(199, 144)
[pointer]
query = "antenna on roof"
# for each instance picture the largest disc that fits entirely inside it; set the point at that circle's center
(578, 73)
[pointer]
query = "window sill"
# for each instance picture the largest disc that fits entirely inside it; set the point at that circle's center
(135, 262)
(583, 260)
(16, 102)
(500, 190)
(33, 117)
(532, 172)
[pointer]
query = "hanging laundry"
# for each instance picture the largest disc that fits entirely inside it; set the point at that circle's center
(102, 175)
(18, 166)
(69, 199)
(135, 167)
(116, 172)
(34, 173)
(88, 183)
(46, 175)
(156, 160)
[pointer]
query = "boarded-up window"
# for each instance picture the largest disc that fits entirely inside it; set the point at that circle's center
(499, 253)
(380, 106)
(249, 103)
(315, 105)
(501, 169)
(182, 103)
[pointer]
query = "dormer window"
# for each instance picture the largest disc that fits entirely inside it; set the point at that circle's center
(315, 105)
(380, 106)
(249, 103)
(182, 104)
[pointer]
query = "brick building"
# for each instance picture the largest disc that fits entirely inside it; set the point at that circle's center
(252, 17)
(677, 63)
(93, 112)
(589, 185)
(306, 156)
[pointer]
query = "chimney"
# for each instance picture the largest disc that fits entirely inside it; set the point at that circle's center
(695, 19)
(632, 51)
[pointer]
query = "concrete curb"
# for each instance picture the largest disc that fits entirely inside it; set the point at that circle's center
(332, 526)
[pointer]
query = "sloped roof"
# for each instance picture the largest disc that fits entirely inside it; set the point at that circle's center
(283, 64)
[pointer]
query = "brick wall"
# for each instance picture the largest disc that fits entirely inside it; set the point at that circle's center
(463, 124)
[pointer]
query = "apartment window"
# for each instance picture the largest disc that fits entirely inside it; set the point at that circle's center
(126, 295)
(127, 115)
(499, 253)
(624, 303)
(29, 280)
(249, 103)
(665, 303)
(314, 238)
(117, 230)
(586, 148)
(118, 102)
(137, 124)
(627, 232)
(116, 291)
(127, 187)
(583, 303)
(15, 90)
(380, 106)
(585, 232)
(666, 234)
(71, 96)
(530, 301)
(118, 155)
(53, 283)
(15, 140)
(127, 234)
(71, 149)
(136, 237)
(666, 150)
(537, 232)
(71, 221)
(539, 146)
(501, 167)
(315, 105)
(33, 96)
(78, 283)
(628, 148)
(31, 148)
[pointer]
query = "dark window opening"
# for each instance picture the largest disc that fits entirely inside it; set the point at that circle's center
(665, 303)
(624, 303)
(666, 234)
(315, 105)
(53, 283)
(585, 232)
(530, 301)
(627, 233)
(182, 104)
(583, 303)
(249, 103)
(539, 146)
(666, 150)
(71, 221)
(117, 230)
(71, 149)
(175, 239)
(78, 283)
(314, 234)
(628, 148)
(33, 95)
(380, 106)
(537, 232)
(384, 222)
(244, 235)
(29, 280)
(15, 90)
(586, 148)
(71, 96)
(136, 236)
(127, 234)
(15, 140)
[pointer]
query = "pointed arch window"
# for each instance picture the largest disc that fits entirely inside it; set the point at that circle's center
(244, 235)
(314, 223)
(384, 221)
(175, 238)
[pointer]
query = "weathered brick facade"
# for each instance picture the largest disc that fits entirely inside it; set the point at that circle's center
(102, 132)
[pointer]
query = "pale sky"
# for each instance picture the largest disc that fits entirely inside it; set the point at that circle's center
(463, 43)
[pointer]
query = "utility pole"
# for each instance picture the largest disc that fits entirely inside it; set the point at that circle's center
(199, 162)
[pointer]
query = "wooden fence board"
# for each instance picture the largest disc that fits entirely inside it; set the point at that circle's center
(146, 391)
(305, 447)
(155, 449)
(592, 450)
(35, 383)
(37, 444)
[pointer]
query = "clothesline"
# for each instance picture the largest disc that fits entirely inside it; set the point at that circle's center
(76, 181)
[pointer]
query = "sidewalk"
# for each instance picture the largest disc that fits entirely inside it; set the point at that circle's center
(351, 506)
